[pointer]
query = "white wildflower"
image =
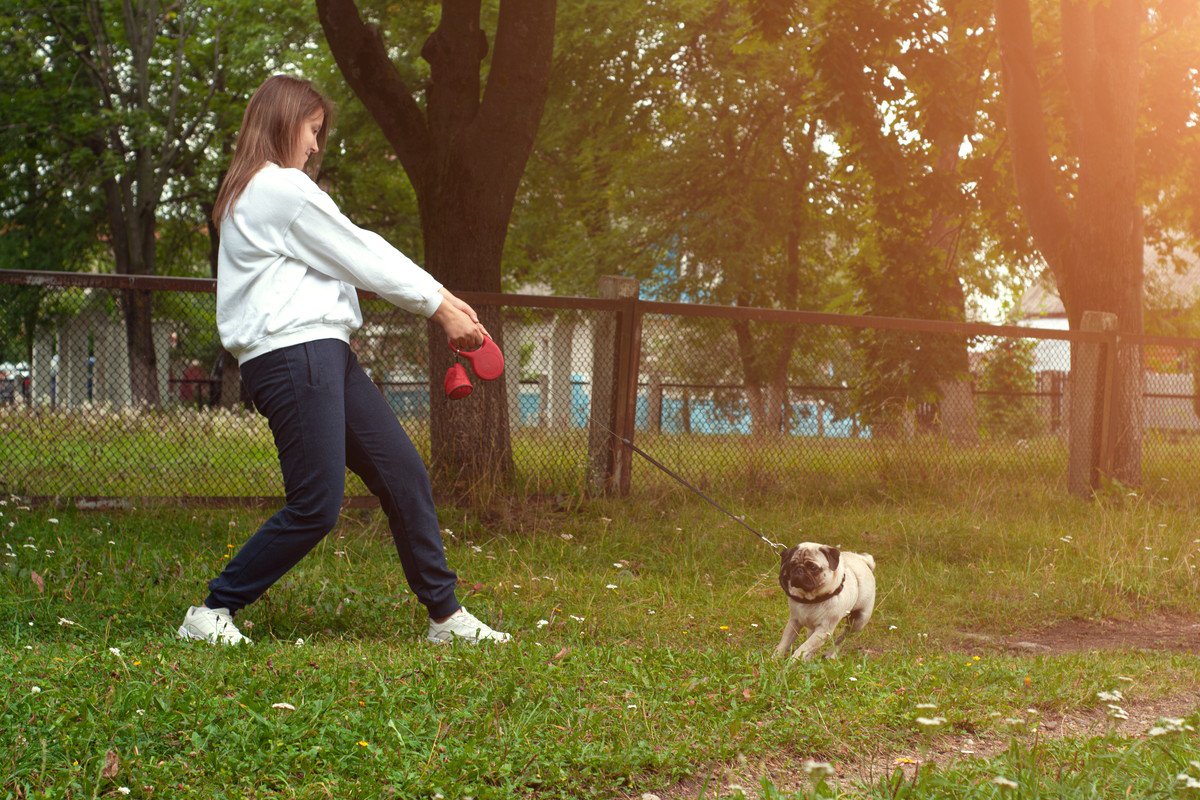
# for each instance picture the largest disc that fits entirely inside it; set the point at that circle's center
(820, 768)
(618, 564)
(116, 651)
(64, 621)
(36, 690)
(577, 619)
(1168, 725)
(1116, 712)
(566, 537)
(123, 789)
(1114, 696)
(926, 705)
(53, 520)
(299, 643)
(541, 623)
(610, 586)
(141, 712)
(931, 722)
(1000, 780)
(284, 706)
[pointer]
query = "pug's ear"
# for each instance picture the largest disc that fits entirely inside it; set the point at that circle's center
(832, 555)
(786, 555)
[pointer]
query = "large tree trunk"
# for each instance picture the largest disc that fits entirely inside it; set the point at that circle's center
(470, 439)
(465, 155)
(1093, 249)
(133, 245)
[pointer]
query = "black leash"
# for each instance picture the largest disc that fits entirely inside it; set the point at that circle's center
(674, 475)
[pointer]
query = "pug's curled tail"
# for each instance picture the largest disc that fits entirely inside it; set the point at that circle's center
(870, 559)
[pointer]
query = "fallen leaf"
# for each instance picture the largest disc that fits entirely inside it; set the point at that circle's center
(560, 654)
(37, 581)
(111, 765)
(746, 693)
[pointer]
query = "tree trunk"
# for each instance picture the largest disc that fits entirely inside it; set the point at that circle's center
(225, 372)
(465, 154)
(470, 439)
(1093, 249)
(133, 245)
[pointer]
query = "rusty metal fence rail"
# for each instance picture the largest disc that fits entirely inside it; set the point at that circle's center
(740, 398)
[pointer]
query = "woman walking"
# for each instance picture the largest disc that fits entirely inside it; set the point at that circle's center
(288, 265)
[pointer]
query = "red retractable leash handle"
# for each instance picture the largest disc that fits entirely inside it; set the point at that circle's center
(487, 362)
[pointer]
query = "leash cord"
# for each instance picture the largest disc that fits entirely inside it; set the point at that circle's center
(705, 497)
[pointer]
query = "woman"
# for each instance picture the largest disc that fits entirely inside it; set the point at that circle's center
(288, 266)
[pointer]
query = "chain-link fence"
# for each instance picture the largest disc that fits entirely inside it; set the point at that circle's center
(741, 398)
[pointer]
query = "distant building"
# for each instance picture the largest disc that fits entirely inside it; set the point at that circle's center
(1172, 285)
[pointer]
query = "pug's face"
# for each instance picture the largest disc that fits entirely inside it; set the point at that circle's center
(809, 568)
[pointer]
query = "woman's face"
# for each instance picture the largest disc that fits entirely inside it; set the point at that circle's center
(306, 142)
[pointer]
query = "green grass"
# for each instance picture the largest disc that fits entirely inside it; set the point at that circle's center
(623, 690)
(87, 452)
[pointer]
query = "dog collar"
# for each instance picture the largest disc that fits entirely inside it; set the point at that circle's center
(820, 598)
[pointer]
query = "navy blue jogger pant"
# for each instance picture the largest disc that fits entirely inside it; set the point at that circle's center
(326, 415)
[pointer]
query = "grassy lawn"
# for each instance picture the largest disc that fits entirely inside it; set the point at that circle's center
(88, 452)
(641, 660)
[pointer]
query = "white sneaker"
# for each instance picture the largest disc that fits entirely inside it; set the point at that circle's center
(212, 625)
(463, 625)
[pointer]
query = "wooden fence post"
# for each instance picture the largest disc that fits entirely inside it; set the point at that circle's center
(615, 346)
(1090, 392)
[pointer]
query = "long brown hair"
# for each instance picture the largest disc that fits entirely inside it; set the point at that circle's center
(269, 132)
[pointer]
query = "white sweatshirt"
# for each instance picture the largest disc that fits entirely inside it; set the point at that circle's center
(288, 264)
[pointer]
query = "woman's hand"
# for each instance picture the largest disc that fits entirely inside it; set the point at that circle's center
(460, 322)
(462, 306)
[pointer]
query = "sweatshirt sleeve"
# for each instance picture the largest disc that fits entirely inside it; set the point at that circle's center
(324, 239)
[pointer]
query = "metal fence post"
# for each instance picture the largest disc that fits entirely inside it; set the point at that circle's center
(612, 339)
(1090, 401)
(629, 342)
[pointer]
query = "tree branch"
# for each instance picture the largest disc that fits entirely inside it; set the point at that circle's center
(517, 85)
(454, 52)
(1045, 214)
(362, 58)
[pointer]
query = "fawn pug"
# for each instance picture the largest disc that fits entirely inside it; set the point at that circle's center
(824, 584)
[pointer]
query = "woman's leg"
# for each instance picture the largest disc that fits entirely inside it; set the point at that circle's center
(380, 452)
(299, 389)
